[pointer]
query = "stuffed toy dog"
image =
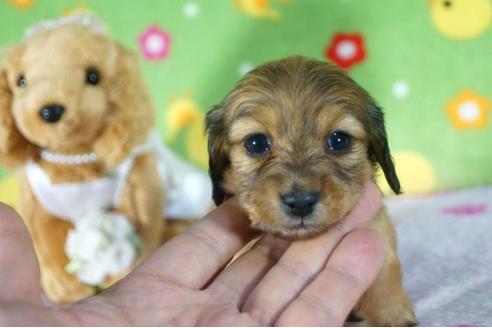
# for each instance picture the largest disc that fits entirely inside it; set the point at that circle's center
(76, 122)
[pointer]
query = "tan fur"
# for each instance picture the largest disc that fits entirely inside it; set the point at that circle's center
(385, 303)
(298, 103)
(49, 235)
(110, 118)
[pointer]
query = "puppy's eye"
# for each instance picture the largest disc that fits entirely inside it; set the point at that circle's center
(339, 142)
(21, 81)
(92, 76)
(257, 145)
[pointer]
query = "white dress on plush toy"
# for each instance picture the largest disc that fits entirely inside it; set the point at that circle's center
(87, 205)
(188, 190)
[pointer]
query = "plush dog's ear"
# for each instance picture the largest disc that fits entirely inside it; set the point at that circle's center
(378, 146)
(218, 158)
(131, 113)
(15, 150)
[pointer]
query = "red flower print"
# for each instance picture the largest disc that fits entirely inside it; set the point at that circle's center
(345, 50)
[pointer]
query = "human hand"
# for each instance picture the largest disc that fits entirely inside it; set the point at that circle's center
(311, 282)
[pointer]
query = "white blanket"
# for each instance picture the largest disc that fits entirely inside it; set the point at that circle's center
(445, 243)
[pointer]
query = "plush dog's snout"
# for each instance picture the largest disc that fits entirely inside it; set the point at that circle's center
(51, 113)
(300, 203)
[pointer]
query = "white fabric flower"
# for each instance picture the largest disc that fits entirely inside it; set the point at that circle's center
(102, 244)
(119, 257)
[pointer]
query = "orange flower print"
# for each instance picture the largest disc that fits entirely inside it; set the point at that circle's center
(22, 4)
(468, 111)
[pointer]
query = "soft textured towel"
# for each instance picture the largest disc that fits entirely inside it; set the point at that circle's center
(445, 243)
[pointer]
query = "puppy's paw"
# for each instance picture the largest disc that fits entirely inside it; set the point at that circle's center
(396, 315)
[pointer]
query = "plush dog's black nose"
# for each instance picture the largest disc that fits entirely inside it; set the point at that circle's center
(51, 113)
(300, 203)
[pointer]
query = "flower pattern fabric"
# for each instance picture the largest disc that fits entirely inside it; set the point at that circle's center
(468, 111)
(154, 43)
(346, 50)
(416, 58)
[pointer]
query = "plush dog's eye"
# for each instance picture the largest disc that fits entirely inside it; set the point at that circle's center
(339, 142)
(257, 144)
(21, 81)
(92, 76)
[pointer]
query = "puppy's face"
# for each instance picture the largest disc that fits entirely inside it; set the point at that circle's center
(295, 142)
(60, 80)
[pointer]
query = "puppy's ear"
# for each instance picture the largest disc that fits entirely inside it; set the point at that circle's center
(131, 113)
(15, 150)
(378, 146)
(218, 158)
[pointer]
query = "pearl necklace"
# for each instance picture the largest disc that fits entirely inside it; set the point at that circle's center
(69, 159)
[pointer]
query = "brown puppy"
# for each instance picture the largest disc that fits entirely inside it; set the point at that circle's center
(295, 142)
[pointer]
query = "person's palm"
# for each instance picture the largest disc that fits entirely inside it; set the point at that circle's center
(311, 282)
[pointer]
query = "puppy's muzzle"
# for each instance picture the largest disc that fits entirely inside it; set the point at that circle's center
(300, 204)
(51, 113)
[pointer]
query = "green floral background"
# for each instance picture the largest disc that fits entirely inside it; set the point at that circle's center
(427, 62)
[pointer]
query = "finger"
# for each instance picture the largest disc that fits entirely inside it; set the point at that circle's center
(369, 203)
(331, 296)
(19, 267)
(193, 257)
(236, 282)
(303, 260)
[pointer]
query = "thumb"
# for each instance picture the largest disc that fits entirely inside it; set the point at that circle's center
(19, 267)
(365, 210)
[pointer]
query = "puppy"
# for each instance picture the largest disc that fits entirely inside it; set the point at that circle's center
(295, 142)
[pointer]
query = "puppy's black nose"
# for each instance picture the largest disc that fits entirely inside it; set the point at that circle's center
(51, 113)
(300, 203)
